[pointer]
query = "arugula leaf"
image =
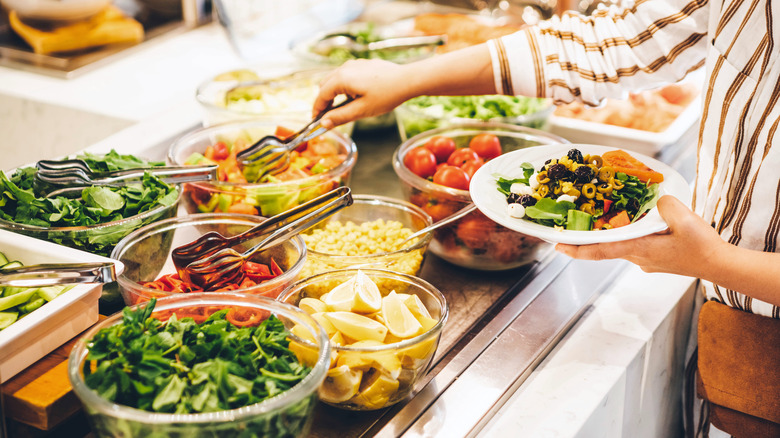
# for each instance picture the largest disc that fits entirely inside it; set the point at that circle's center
(549, 209)
(504, 184)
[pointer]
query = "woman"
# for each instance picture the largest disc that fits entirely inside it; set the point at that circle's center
(731, 241)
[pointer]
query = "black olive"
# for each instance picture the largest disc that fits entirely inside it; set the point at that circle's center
(556, 171)
(513, 198)
(583, 174)
(527, 200)
(576, 156)
(569, 176)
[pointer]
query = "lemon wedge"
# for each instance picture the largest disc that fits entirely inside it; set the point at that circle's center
(399, 319)
(337, 339)
(376, 391)
(341, 384)
(358, 327)
(342, 297)
(368, 299)
(302, 332)
(426, 323)
(306, 355)
(416, 306)
(330, 330)
(312, 305)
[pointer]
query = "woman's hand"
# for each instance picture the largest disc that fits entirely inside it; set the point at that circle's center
(689, 247)
(377, 87)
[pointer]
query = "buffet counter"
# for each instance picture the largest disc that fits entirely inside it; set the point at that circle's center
(559, 348)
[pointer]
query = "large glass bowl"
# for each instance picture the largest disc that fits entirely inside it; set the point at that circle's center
(100, 238)
(396, 366)
(146, 253)
(368, 209)
(473, 241)
(286, 415)
(413, 120)
(268, 199)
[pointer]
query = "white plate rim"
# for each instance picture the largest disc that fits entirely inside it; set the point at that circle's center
(492, 203)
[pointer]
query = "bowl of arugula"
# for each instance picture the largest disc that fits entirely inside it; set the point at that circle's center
(95, 221)
(201, 365)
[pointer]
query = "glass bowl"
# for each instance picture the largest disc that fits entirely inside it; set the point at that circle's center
(146, 253)
(331, 244)
(413, 119)
(284, 93)
(370, 376)
(100, 238)
(288, 414)
(473, 241)
(265, 199)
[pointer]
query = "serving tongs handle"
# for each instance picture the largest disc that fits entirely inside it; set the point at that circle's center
(52, 274)
(326, 205)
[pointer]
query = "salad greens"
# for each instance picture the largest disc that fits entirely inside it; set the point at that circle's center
(369, 34)
(183, 367)
(21, 202)
(428, 112)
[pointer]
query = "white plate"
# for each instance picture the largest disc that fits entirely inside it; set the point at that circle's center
(56, 322)
(491, 202)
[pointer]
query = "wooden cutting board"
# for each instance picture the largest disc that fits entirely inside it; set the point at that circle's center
(41, 395)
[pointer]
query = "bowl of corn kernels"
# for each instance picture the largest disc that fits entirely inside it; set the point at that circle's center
(370, 233)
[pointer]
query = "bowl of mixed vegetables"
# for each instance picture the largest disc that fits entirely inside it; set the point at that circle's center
(435, 169)
(201, 365)
(316, 167)
(95, 219)
(150, 272)
(384, 328)
(424, 113)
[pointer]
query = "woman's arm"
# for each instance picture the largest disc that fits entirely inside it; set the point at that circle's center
(691, 247)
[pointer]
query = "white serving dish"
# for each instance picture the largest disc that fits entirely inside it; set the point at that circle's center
(54, 323)
(644, 142)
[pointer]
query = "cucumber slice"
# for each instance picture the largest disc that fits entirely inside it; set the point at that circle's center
(51, 292)
(3, 259)
(579, 220)
(17, 299)
(13, 264)
(7, 318)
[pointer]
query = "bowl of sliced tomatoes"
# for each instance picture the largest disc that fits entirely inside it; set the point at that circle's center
(435, 169)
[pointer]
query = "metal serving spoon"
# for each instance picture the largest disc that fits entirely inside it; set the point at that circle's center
(346, 41)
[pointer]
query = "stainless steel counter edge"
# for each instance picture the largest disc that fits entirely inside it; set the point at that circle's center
(481, 376)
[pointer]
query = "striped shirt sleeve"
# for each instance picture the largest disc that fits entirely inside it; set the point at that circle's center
(574, 57)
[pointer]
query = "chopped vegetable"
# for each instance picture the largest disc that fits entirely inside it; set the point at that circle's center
(18, 302)
(182, 366)
(582, 193)
(252, 275)
(22, 202)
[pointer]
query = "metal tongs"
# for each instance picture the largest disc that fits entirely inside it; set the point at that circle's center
(348, 42)
(63, 177)
(58, 273)
(271, 155)
(210, 261)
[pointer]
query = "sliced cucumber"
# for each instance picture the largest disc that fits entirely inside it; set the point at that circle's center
(13, 264)
(51, 292)
(3, 259)
(7, 318)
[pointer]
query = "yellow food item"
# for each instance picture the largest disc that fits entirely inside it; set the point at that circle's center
(367, 298)
(398, 318)
(330, 330)
(312, 305)
(376, 391)
(341, 298)
(415, 305)
(341, 384)
(357, 327)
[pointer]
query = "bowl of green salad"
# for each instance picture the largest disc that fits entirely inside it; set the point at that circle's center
(424, 113)
(201, 365)
(95, 219)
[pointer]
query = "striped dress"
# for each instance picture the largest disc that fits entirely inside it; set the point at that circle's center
(657, 41)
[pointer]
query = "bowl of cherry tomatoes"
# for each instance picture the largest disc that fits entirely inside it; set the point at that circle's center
(435, 168)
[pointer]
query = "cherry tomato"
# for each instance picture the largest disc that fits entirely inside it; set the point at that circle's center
(486, 146)
(421, 162)
(453, 177)
(442, 147)
(221, 151)
(462, 155)
(471, 166)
